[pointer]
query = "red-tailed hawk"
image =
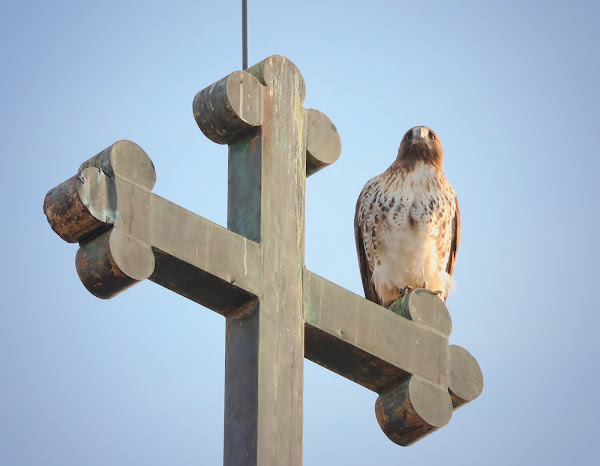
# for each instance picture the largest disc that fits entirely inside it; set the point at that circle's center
(407, 223)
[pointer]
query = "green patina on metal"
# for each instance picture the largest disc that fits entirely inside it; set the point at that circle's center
(253, 272)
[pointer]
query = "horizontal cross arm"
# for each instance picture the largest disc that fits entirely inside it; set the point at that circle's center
(402, 353)
(201, 260)
(366, 343)
(127, 234)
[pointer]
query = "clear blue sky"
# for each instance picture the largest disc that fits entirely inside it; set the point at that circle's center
(511, 88)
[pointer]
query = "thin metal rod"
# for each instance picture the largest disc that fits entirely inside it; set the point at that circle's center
(244, 34)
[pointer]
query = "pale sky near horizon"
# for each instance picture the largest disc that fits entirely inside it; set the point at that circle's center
(510, 87)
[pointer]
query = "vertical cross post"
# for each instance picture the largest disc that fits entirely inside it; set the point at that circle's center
(267, 341)
(266, 131)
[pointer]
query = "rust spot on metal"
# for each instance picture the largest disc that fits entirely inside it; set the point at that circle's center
(253, 143)
(398, 416)
(67, 215)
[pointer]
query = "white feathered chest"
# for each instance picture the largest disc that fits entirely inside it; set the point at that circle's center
(407, 221)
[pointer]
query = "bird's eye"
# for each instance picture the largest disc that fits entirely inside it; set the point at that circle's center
(431, 135)
(408, 136)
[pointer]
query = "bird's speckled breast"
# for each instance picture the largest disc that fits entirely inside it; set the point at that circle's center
(407, 231)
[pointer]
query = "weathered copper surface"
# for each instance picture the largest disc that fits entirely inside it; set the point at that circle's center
(69, 212)
(403, 355)
(264, 207)
(336, 315)
(253, 272)
(145, 236)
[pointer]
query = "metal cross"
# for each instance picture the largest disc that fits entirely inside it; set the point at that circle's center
(253, 272)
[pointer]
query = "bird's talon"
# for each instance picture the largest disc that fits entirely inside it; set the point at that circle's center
(438, 292)
(407, 289)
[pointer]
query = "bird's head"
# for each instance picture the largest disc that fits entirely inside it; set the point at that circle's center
(420, 144)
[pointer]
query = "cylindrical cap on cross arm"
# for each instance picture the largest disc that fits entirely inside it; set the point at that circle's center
(466, 379)
(113, 262)
(426, 308)
(229, 108)
(127, 160)
(413, 409)
(81, 207)
(323, 143)
(85, 205)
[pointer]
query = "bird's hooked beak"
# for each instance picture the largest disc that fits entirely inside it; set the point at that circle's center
(420, 133)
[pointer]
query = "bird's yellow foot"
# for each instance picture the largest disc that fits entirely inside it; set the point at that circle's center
(404, 291)
(437, 292)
